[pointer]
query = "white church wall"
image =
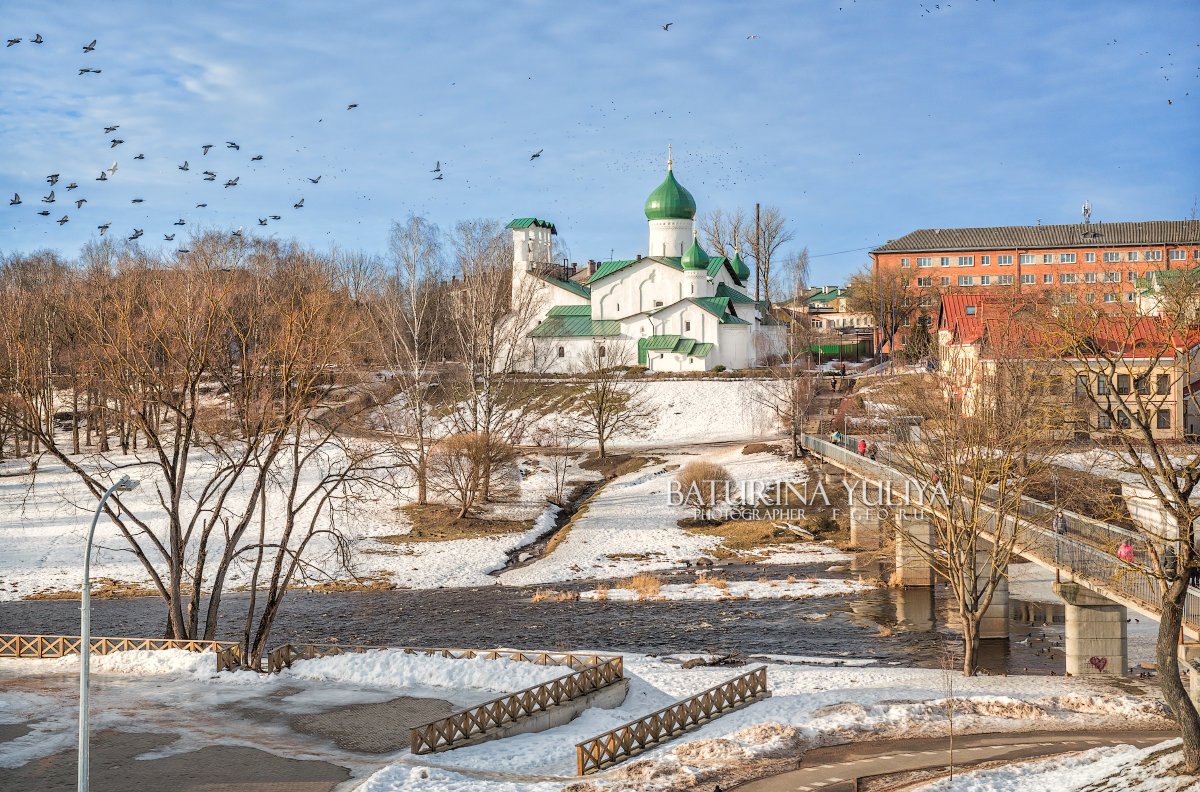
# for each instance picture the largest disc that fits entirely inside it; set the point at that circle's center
(634, 289)
(669, 237)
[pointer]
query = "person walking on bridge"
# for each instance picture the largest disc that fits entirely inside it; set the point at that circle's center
(1060, 530)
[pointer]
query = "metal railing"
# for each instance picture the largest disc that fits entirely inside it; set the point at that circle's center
(48, 646)
(1093, 562)
(638, 735)
(459, 727)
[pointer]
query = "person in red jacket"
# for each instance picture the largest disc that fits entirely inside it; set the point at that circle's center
(862, 447)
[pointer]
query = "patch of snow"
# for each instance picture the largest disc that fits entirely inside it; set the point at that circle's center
(740, 589)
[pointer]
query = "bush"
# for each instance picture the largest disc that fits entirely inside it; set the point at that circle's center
(718, 369)
(703, 485)
(465, 467)
(646, 585)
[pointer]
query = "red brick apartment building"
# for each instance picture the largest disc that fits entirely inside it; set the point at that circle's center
(1100, 260)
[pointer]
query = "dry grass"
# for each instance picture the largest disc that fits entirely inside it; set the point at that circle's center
(716, 581)
(647, 585)
(552, 595)
(602, 592)
(436, 523)
(791, 579)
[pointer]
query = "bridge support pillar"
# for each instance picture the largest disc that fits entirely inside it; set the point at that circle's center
(994, 623)
(915, 609)
(1096, 632)
(1189, 654)
(864, 527)
(913, 530)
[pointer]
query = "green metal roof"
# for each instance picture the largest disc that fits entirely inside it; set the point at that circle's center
(526, 222)
(734, 295)
(662, 342)
(670, 201)
(694, 258)
(701, 350)
(571, 310)
(824, 297)
(569, 285)
(739, 267)
(567, 326)
(684, 347)
(718, 307)
(609, 267)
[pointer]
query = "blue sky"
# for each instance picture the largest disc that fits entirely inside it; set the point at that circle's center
(861, 120)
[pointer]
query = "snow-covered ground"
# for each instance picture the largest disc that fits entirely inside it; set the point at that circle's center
(179, 693)
(1120, 768)
(738, 589)
(631, 527)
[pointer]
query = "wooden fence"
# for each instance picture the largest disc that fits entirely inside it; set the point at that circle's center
(229, 653)
(445, 733)
(636, 736)
(282, 657)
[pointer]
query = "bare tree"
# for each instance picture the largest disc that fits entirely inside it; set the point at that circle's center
(610, 403)
(459, 464)
(724, 232)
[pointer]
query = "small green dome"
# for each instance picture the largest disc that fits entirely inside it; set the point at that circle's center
(739, 267)
(670, 201)
(694, 258)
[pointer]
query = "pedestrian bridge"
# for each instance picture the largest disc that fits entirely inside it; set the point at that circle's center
(1099, 590)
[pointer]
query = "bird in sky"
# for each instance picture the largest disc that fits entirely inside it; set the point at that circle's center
(179, 222)
(298, 204)
(206, 147)
(53, 179)
(182, 251)
(44, 213)
(137, 232)
(184, 166)
(71, 186)
(108, 130)
(85, 71)
(103, 176)
(201, 206)
(437, 168)
(232, 182)
(103, 228)
(90, 47)
(38, 39)
(276, 217)
(314, 181)
(532, 157)
(238, 233)
(668, 26)
(136, 200)
(209, 173)
(168, 237)
(116, 142)
(49, 198)
(79, 203)
(232, 145)
(439, 177)
(16, 199)
(62, 220)
(113, 170)
(262, 221)
(211, 177)
(14, 41)
(351, 107)
(256, 158)
(752, 37)
(140, 156)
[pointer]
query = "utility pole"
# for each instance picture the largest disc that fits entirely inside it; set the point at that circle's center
(757, 253)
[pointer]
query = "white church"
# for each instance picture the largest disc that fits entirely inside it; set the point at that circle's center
(677, 308)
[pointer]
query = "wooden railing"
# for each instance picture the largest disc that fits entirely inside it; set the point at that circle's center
(636, 736)
(282, 657)
(229, 653)
(448, 732)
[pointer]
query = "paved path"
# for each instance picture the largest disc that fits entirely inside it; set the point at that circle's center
(836, 767)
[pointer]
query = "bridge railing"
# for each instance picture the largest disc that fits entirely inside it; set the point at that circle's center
(1094, 561)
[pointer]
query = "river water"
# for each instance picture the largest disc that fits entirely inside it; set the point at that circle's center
(887, 625)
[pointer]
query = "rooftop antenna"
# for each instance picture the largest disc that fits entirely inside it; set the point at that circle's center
(1087, 212)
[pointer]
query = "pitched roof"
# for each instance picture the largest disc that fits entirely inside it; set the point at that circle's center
(1150, 232)
(735, 296)
(720, 308)
(526, 222)
(829, 296)
(661, 342)
(570, 310)
(689, 347)
(701, 350)
(567, 325)
(607, 268)
(569, 285)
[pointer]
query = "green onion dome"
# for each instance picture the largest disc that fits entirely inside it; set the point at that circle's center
(739, 267)
(670, 201)
(694, 258)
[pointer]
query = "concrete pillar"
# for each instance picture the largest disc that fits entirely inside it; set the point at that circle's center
(1189, 654)
(994, 623)
(914, 608)
(912, 530)
(864, 527)
(1096, 632)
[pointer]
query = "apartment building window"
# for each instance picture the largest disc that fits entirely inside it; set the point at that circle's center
(985, 260)
(1177, 255)
(1163, 386)
(1028, 279)
(1067, 258)
(1123, 419)
(944, 261)
(1103, 422)
(924, 281)
(985, 280)
(1164, 419)
(1110, 297)
(945, 281)
(1091, 297)
(1004, 261)
(1133, 256)
(966, 280)
(1132, 277)
(1067, 277)
(1047, 258)
(1151, 255)
(1122, 384)
(924, 261)
(966, 261)
(1081, 384)
(1101, 385)
(1048, 278)
(1004, 280)
(1130, 297)
(1112, 256)
(925, 302)
(1142, 384)
(1089, 277)
(1196, 254)
(969, 310)
(904, 262)
(1112, 277)
(1026, 258)
(818, 323)
(1089, 257)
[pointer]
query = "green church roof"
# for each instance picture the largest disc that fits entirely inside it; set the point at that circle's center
(526, 222)
(739, 267)
(670, 201)
(694, 258)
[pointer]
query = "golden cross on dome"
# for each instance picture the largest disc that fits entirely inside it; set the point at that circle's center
(668, 156)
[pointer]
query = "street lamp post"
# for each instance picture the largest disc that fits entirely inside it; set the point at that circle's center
(85, 629)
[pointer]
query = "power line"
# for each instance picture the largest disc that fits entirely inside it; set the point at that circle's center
(839, 252)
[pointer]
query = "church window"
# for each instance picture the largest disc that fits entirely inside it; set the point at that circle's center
(600, 352)
(687, 326)
(562, 352)
(658, 303)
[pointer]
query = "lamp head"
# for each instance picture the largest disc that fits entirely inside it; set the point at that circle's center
(126, 484)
